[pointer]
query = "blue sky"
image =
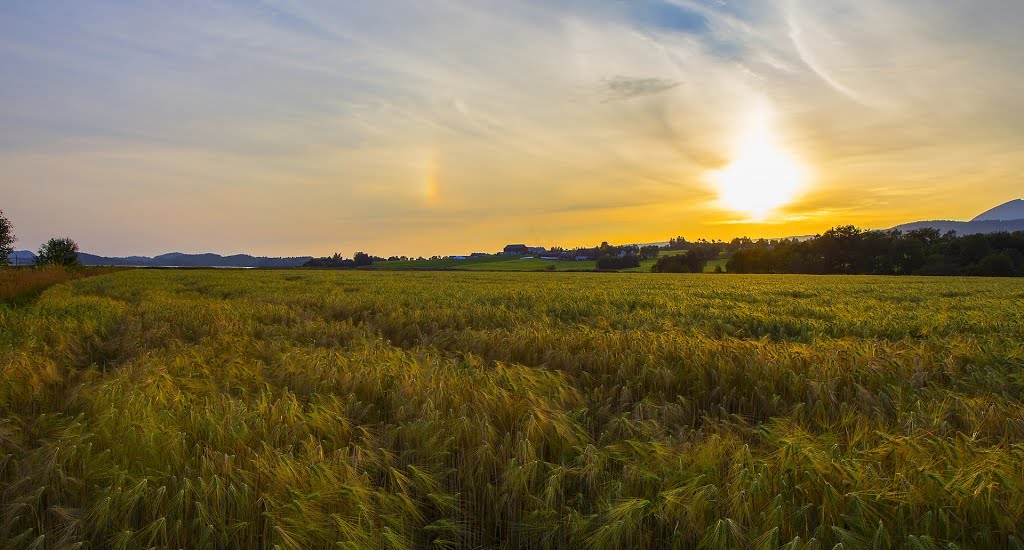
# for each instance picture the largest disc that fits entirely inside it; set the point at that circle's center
(443, 127)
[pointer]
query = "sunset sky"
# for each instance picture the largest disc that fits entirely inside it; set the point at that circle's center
(420, 128)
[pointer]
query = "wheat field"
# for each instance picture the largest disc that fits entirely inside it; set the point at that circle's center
(310, 409)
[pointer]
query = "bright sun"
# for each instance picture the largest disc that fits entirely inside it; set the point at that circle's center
(761, 177)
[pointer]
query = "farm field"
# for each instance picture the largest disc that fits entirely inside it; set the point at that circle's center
(353, 409)
(515, 263)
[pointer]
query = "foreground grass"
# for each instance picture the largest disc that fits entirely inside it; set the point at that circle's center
(216, 409)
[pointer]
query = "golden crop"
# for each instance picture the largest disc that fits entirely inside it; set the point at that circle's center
(298, 409)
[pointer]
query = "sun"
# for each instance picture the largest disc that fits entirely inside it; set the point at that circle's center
(762, 177)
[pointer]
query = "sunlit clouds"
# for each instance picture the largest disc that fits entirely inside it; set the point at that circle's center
(442, 127)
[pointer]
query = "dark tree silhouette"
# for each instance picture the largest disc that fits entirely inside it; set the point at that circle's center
(691, 261)
(7, 239)
(58, 251)
(616, 262)
(849, 250)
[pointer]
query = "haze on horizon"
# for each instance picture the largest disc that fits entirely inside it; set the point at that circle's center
(299, 128)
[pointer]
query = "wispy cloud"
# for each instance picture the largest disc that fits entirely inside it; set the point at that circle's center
(327, 117)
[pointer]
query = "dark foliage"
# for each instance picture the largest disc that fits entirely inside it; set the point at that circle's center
(849, 250)
(649, 252)
(619, 262)
(337, 261)
(691, 261)
(58, 251)
(7, 239)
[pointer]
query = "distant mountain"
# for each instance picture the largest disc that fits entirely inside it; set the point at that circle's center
(1008, 217)
(174, 259)
(91, 259)
(178, 259)
(1012, 210)
(22, 257)
(965, 228)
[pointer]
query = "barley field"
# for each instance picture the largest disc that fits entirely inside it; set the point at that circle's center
(312, 409)
(21, 284)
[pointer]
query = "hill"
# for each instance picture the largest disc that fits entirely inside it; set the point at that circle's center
(134, 261)
(22, 257)
(179, 259)
(966, 228)
(173, 259)
(1008, 216)
(1012, 210)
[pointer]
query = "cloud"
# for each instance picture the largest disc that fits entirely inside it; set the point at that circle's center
(622, 87)
(329, 110)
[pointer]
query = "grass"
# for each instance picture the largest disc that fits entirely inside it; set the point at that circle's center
(21, 284)
(326, 409)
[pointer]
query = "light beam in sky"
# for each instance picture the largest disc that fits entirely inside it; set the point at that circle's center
(431, 180)
(762, 176)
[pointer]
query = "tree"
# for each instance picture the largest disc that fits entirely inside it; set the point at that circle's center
(614, 262)
(330, 261)
(58, 251)
(7, 239)
(362, 258)
(688, 262)
(995, 265)
(649, 252)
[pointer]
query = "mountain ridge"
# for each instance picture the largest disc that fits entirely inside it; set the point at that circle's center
(1008, 217)
(1009, 210)
(965, 228)
(173, 259)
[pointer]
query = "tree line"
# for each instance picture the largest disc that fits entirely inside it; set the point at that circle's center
(359, 259)
(851, 250)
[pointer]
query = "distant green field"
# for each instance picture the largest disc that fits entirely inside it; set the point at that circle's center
(513, 263)
(717, 262)
(351, 409)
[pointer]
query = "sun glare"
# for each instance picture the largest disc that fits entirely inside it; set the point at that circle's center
(762, 176)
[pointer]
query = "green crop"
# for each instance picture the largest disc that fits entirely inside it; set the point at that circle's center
(299, 409)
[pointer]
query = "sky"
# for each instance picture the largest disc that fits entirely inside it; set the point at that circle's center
(445, 127)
